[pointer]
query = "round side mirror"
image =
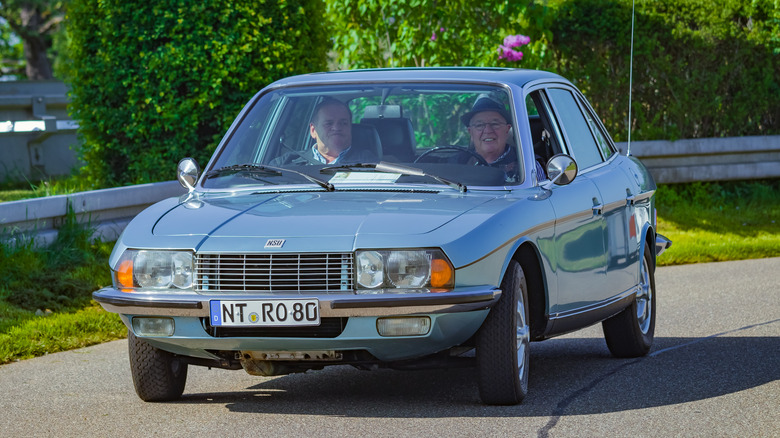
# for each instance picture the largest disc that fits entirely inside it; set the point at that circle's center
(561, 169)
(187, 173)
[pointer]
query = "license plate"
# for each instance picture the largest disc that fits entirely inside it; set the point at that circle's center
(265, 313)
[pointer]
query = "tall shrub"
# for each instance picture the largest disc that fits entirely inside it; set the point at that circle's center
(153, 82)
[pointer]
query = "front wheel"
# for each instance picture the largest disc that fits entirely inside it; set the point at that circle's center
(630, 332)
(157, 375)
(503, 343)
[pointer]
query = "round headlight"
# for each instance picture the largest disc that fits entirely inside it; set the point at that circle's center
(408, 268)
(370, 267)
(182, 270)
(153, 269)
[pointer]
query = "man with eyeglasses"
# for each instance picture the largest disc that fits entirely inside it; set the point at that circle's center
(488, 125)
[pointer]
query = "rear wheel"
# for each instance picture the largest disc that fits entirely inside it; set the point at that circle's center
(157, 374)
(503, 343)
(630, 332)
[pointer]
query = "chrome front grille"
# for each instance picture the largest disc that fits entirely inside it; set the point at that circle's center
(275, 273)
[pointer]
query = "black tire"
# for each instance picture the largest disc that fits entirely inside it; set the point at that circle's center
(157, 374)
(630, 333)
(503, 342)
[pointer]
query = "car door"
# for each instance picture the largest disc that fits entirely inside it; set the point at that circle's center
(577, 253)
(598, 165)
(619, 192)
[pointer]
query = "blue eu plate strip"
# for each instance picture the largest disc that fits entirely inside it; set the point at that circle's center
(216, 315)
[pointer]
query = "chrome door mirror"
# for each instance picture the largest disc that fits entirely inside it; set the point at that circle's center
(187, 173)
(561, 169)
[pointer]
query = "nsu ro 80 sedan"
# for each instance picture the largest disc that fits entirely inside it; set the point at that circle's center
(396, 218)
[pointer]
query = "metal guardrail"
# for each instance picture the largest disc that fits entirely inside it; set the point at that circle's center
(709, 159)
(36, 132)
(107, 211)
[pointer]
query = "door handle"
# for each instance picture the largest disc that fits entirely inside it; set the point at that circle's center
(630, 198)
(598, 208)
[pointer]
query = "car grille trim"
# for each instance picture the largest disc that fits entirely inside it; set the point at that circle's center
(274, 273)
(329, 328)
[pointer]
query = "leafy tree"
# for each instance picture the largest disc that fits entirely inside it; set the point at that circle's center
(153, 82)
(34, 22)
(11, 52)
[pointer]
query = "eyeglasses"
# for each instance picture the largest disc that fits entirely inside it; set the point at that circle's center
(494, 126)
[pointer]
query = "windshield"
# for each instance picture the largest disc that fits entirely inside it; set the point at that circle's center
(452, 134)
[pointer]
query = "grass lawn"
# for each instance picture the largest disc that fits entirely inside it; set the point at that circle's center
(710, 222)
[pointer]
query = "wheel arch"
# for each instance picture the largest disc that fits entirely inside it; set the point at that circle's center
(529, 258)
(648, 241)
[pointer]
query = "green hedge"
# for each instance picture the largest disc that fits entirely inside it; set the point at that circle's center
(153, 82)
(702, 68)
(420, 33)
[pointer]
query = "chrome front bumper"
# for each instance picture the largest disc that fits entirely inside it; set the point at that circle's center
(196, 305)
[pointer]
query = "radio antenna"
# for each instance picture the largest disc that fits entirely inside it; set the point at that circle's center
(630, 79)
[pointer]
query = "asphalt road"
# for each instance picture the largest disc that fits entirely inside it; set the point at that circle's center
(714, 371)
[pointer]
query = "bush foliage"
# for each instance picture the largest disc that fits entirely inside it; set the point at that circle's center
(153, 82)
(701, 68)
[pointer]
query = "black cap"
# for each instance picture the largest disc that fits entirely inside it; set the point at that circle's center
(485, 103)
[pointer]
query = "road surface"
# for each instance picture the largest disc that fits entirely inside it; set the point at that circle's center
(714, 371)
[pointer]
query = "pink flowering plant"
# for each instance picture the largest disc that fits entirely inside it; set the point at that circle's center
(507, 50)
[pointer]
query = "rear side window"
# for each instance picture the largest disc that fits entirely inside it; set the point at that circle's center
(601, 138)
(576, 128)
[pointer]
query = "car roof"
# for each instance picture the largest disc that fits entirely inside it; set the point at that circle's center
(493, 75)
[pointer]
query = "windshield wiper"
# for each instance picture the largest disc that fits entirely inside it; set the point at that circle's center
(248, 167)
(268, 170)
(356, 166)
(324, 184)
(384, 166)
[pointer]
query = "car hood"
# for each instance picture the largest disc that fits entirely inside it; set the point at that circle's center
(308, 214)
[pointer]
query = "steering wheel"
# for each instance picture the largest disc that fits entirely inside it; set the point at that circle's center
(456, 149)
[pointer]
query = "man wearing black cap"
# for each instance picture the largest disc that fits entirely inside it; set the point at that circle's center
(488, 125)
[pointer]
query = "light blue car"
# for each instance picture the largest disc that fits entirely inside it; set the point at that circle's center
(393, 218)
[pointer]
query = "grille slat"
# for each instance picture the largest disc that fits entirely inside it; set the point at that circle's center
(275, 273)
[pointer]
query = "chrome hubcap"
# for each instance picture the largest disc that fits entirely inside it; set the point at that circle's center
(644, 298)
(523, 339)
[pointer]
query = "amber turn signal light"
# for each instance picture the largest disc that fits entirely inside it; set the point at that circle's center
(124, 275)
(441, 273)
